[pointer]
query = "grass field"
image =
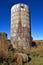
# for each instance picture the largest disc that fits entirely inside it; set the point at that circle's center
(36, 55)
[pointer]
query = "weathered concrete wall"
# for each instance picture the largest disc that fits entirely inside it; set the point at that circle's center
(20, 26)
(3, 42)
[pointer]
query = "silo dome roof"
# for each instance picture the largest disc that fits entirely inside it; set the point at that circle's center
(18, 5)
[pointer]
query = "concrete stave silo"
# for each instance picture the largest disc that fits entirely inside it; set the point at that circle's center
(20, 26)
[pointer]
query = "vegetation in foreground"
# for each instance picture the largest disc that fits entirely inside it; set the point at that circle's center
(36, 55)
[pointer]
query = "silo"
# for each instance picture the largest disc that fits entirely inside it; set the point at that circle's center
(20, 26)
(3, 44)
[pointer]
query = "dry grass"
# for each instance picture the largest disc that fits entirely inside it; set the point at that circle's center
(36, 54)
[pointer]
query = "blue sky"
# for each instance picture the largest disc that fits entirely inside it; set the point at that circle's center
(36, 15)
